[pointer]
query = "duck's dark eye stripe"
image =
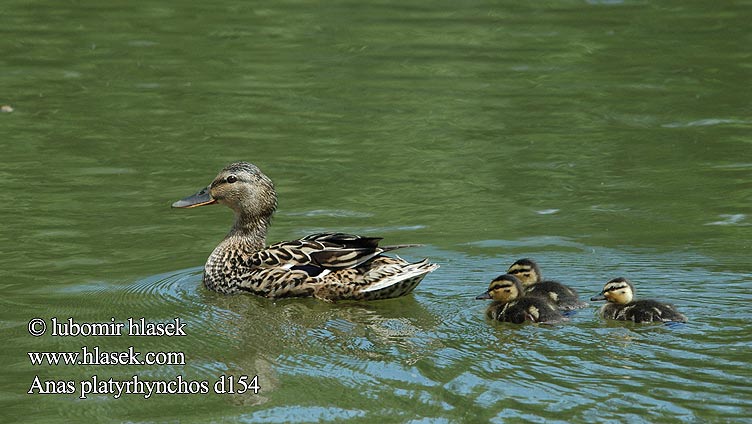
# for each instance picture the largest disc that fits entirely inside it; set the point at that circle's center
(614, 288)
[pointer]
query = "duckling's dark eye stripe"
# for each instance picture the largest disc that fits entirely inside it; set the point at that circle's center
(518, 271)
(614, 288)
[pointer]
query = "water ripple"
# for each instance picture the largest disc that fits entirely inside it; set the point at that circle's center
(436, 351)
(705, 123)
(730, 219)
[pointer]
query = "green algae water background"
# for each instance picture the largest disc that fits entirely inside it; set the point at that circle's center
(602, 138)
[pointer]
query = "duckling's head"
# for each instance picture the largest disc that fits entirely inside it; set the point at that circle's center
(527, 271)
(619, 290)
(240, 186)
(504, 288)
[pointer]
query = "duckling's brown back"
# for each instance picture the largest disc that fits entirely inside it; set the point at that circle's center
(527, 308)
(643, 311)
(563, 296)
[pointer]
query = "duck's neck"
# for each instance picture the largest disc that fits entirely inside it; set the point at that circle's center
(248, 233)
(229, 259)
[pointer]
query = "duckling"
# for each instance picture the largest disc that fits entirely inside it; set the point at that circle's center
(621, 305)
(511, 304)
(530, 275)
(328, 266)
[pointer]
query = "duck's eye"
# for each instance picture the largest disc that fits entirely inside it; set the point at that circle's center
(231, 179)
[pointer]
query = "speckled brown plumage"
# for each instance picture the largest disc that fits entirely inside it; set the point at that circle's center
(329, 266)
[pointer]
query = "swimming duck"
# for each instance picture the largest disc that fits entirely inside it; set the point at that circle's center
(621, 305)
(328, 266)
(530, 275)
(512, 304)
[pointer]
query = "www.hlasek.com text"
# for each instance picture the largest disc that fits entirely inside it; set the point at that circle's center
(95, 356)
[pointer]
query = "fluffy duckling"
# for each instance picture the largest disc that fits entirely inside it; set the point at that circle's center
(530, 275)
(511, 304)
(621, 305)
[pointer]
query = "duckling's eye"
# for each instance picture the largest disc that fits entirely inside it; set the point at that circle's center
(231, 179)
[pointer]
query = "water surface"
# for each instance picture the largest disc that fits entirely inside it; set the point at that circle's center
(602, 138)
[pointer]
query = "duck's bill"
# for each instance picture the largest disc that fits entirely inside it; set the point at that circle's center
(599, 297)
(199, 199)
(482, 296)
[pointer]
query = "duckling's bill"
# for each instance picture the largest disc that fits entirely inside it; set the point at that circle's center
(483, 296)
(600, 296)
(199, 199)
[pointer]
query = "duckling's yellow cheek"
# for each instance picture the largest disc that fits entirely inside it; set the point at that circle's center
(500, 294)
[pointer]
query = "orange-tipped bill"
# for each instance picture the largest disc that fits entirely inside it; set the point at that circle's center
(199, 199)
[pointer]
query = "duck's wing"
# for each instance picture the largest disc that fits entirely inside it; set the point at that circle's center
(323, 250)
(332, 266)
(381, 278)
(342, 239)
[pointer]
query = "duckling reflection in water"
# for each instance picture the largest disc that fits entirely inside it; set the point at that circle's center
(512, 304)
(328, 266)
(621, 305)
(528, 272)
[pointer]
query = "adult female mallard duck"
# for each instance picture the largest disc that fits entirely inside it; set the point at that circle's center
(512, 304)
(530, 275)
(328, 266)
(621, 305)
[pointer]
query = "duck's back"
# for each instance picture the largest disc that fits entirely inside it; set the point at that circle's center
(643, 311)
(563, 296)
(531, 308)
(328, 266)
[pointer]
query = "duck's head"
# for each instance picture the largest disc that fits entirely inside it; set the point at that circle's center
(527, 271)
(240, 186)
(504, 288)
(619, 290)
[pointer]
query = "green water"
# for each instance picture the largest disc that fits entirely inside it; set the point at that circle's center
(603, 138)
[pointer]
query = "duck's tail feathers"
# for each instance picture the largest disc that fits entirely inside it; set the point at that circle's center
(398, 246)
(394, 281)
